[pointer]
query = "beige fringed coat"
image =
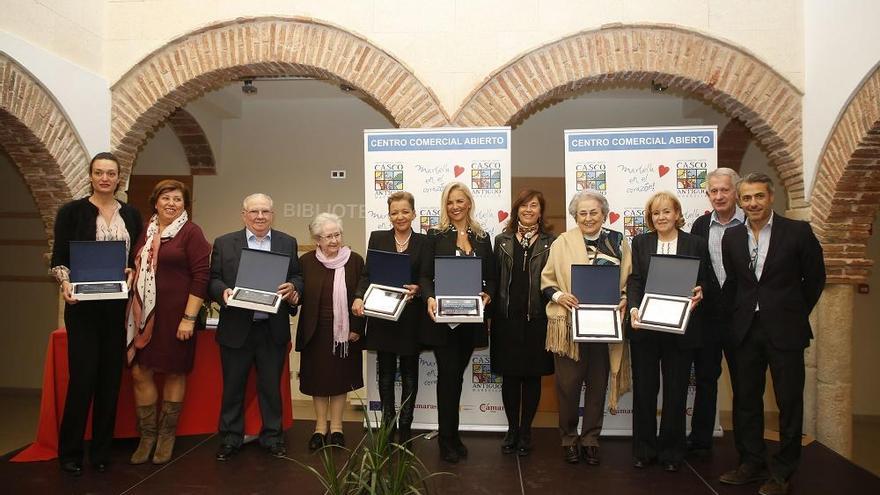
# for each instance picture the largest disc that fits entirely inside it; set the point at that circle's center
(568, 249)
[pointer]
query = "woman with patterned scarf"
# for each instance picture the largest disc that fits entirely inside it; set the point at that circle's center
(578, 364)
(171, 278)
(519, 323)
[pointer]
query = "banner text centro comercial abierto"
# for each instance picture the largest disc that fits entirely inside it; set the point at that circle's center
(422, 162)
(628, 165)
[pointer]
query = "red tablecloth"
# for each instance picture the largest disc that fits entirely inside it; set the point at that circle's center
(201, 409)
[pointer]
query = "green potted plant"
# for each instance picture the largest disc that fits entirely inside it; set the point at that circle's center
(376, 465)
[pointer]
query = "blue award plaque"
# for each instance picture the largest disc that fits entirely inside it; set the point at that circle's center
(386, 297)
(597, 289)
(97, 270)
(666, 304)
(256, 284)
(458, 281)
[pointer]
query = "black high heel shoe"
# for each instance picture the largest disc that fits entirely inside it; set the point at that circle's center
(317, 441)
(524, 444)
(508, 445)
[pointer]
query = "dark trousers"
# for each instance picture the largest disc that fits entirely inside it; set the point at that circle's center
(754, 354)
(571, 376)
(95, 355)
(261, 351)
(707, 370)
(386, 362)
(452, 361)
(653, 353)
(520, 395)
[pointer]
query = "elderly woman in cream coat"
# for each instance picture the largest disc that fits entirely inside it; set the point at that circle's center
(579, 363)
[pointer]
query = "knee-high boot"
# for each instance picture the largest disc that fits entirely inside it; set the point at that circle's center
(146, 416)
(167, 431)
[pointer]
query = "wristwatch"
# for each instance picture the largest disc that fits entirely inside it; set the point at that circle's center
(190, 317)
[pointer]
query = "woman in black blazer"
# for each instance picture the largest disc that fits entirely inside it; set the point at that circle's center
(653, 351)
(458, 234)
(397, 339)
(95, 329)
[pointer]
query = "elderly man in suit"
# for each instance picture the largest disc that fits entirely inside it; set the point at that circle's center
(775, 275)
(253, 338)
(721, 190)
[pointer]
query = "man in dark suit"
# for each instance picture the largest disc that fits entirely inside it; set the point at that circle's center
(721, 191)
(253, 338)
(775, 275)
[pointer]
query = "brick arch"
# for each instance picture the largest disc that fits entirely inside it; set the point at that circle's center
(715, 71)
(733, 141)
(210, 58)
(194, 141)
(846, 196)
(37, 135)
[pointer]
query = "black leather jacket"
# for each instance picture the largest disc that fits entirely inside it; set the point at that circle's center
(504, 266)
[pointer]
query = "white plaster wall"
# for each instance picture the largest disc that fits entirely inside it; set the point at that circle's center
(841, 49)
(82, 94)
(453, 45)
(71, 29)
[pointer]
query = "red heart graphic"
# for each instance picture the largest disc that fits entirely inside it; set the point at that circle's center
(458, 170)
(502, 215)
(614, 217)
(663, 169)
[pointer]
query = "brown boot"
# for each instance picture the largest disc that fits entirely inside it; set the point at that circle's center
(167, 431)
(146, 426)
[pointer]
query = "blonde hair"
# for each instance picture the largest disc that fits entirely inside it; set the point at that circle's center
(445, 224)
(402, 196)
(663, 196)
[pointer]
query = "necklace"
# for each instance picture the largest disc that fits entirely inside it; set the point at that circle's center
(405, 241)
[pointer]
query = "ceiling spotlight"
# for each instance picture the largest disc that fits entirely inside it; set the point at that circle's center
(248, 88)
(657, 87)
(346, 88)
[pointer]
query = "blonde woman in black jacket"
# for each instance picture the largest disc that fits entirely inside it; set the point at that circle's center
(458, 234)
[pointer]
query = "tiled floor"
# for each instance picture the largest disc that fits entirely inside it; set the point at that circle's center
(535, 474)
(193, 470)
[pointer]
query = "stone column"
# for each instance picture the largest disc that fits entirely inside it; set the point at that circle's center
(828, 383)
(834, 368)
(810, 362)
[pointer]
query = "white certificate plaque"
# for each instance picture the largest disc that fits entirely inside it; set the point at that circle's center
(94, 291)
(665, 313)
(459, 309)
(596, 323)
(257, 300)
(382, 301)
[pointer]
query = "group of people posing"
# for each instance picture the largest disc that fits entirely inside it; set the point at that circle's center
(760, 276)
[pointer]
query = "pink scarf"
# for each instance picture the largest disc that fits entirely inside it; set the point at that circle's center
(340, 296)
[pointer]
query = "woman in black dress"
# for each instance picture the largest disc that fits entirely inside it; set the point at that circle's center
(328, 334)
(458, 234)
(95, 329)
(654, 352)
(519, 327)
(395, 340)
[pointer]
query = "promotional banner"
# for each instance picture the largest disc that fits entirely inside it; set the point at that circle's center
(422, 162)
(628, 165)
